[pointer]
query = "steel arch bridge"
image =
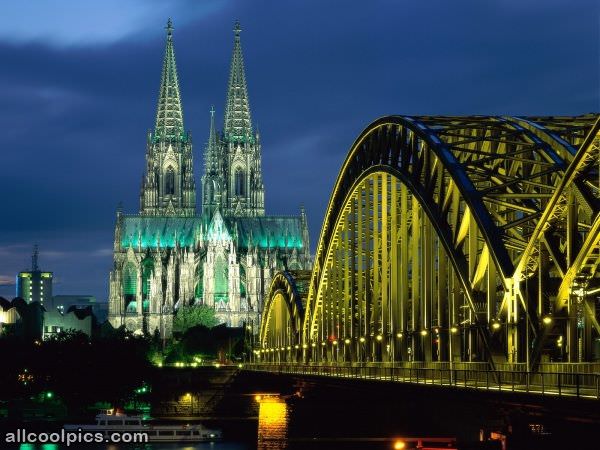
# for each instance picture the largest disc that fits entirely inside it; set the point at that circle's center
(453, 239)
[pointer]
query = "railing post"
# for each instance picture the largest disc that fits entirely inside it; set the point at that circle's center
(559, 387)
(543, 386)
(577, 383)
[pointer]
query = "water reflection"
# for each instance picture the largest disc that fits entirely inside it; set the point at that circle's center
(272, 422)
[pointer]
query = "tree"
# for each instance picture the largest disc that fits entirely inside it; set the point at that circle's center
(191, 316)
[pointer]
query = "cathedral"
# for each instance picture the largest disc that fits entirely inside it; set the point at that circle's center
(171, 255)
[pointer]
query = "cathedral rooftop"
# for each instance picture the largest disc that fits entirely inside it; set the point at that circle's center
(169, 231)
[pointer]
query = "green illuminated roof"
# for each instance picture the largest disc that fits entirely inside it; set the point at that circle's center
(264, 231)
(159, 231)
(267, 231)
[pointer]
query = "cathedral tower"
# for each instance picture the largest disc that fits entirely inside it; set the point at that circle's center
(237, 186)
(168, 186)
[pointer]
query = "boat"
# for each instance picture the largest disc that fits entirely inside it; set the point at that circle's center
(113, 421)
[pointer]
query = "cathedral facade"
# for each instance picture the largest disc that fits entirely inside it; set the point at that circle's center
(169, 255)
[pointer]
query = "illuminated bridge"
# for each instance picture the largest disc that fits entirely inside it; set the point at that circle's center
(454, 250)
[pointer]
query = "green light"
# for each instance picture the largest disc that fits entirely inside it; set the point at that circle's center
(49, 394)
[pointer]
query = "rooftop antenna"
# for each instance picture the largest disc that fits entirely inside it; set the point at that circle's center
(34, 259)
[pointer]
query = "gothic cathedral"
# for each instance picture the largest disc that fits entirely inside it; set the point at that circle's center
(168, 256)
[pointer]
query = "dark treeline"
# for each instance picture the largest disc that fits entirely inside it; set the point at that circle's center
(74, 368)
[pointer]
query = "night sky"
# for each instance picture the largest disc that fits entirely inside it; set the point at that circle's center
(79, 84)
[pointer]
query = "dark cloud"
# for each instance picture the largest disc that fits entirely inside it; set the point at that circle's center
(75, 116)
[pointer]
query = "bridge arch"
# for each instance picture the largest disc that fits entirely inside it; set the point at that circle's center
(283, 316)
(423, 237)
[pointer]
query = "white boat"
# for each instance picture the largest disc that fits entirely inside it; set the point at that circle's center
(111, 421)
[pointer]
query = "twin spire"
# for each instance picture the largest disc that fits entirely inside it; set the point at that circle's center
(238, 123)
(169, 115)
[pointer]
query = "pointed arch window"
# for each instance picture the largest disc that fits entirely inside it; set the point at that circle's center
(170, 182)
(130, 286)
(240, 183)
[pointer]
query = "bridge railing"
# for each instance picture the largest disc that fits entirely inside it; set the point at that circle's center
(561, 384)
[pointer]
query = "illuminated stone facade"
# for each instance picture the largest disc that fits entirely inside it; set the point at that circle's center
(167, 256)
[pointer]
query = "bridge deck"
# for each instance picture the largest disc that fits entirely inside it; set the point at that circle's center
(578, 385)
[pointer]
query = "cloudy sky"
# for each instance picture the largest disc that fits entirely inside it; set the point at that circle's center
(79, 83)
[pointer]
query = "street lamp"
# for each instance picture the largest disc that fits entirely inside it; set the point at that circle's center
(547, 320)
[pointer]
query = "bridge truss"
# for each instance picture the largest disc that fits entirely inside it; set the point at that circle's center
(453, 239)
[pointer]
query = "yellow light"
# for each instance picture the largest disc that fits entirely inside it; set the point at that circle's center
(322, 343)
(496, 325)
(379, 338)
(547, 320)
(399, 445)
(304, 346)
(289, 347)
(217, 365)
(399, 335)
(335, 342)
(272, 416)
(296, 346)
(437, 331)
(258, 398)
(346, 341)
(423, 332)
(240, 366)
(313, 344)
(362, 339)
(453, 330)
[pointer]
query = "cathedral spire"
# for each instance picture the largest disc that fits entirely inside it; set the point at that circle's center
(169, 116)
(238, 124)
(211, 152)
(212, 136)
(212, 180)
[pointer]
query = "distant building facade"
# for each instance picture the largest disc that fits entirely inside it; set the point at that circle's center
(64, 303)
(74, 319)
(169, 256)
(34, 285)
